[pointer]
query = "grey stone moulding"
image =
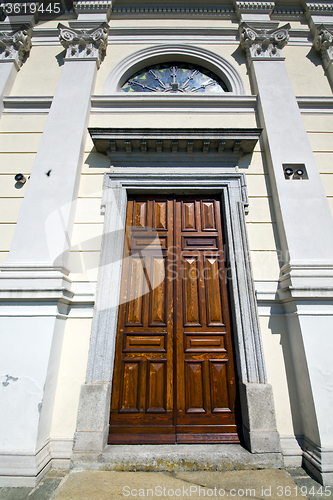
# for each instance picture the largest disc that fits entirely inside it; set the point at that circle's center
(174, 147)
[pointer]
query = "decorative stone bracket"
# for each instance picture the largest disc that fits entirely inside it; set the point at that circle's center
(84, 44)
(261, 43)
(323, 42)
(14, 45)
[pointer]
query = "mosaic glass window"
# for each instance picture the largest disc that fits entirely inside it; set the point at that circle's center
(175, 78)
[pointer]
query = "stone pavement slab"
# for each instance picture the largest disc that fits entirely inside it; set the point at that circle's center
(265, 484)
(165, 485)
(270, 484)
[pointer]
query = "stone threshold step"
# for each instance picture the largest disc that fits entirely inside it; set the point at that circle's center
(182, 457)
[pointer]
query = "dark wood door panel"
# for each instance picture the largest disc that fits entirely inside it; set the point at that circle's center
(174, 378)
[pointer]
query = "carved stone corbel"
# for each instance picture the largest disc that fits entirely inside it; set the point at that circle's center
(14, 45)
(262, 43)
(323, 42)
(85, 44)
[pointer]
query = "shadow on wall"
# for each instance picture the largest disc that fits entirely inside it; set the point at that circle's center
(60, 58)
(245, 161)
(277, 325)
(239, 55)
(314, 57)
(97, 160)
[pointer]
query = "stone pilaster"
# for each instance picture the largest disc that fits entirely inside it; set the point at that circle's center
(306, 283)
(34, 280)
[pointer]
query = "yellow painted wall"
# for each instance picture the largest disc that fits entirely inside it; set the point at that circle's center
(72, 373)
(320, 133)
(19, 140)
(280, 373)
(305, 71)
(40, 73)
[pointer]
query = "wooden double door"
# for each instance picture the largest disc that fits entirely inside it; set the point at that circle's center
(174, 378)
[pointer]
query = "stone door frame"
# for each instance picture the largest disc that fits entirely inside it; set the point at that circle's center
(256, 399)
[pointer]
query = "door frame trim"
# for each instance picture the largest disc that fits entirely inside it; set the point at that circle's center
(256, 399)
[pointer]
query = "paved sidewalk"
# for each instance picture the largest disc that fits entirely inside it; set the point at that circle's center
(270, 484)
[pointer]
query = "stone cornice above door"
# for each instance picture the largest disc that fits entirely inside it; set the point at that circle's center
(174, 147)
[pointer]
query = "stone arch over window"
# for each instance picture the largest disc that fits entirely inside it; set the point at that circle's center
(159, 54)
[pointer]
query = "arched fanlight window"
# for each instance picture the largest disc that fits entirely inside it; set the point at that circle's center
(173, 78)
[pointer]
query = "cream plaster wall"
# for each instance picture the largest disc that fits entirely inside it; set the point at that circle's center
(320, 133)
(72, 372)
(19, 140)
(172, 119)
(305, 71)
(88, 223)
(40, 73)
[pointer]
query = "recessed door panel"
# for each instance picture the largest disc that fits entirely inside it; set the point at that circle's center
(156, 390)
(194, 387)
(190, 280)
(213, 293)
(158, 295)
(130, 388)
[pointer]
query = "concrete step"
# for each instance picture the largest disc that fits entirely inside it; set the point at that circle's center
(189, 457)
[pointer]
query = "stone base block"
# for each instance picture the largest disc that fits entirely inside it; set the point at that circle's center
(93, 418)
(318, 461)
(291, 450)
(27, 469)
(258, 417)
